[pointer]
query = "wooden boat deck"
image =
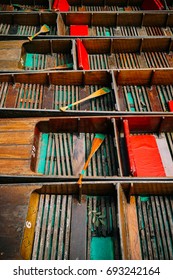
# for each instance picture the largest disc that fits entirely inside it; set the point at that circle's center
(49, 145)
(43, 225)
(86, 5)
(150, 23)
(146, 90)
(122, 53)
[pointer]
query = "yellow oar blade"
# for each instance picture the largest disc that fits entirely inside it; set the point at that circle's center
(98, 140)
(44, 29)
(95, 94)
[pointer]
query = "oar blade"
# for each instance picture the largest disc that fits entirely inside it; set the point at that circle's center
(98, 140)
(95, 94)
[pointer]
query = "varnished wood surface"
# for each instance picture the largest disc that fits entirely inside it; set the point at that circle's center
(134, 241)
(18, 136)
(13, 210)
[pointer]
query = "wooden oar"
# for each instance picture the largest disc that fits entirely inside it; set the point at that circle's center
(97, 93)
(98, 140)
(44, 29)
(59, 67)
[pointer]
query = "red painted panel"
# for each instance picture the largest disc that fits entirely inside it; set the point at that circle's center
(61, 5)
(83, 61)
(79, 30)
(170, 104)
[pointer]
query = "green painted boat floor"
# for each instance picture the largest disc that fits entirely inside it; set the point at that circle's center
(32, 60)
(102, 248)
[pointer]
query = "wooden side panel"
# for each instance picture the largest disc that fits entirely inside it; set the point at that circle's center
(122, 214)
(60, 25)
(29, 227)
(134, 240)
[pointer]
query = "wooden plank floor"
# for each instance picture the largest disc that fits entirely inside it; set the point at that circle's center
(58, 160)
(56, 230)
(52, 232)
(155, 226)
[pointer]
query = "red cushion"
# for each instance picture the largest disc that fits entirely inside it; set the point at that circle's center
(144, 156)
(61, 5)
(152, 5)
(79, 30)
(170, 104)
(83, 61)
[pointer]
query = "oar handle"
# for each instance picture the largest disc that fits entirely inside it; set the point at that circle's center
(32, 37)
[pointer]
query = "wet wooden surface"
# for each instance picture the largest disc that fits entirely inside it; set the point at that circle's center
(13, 210)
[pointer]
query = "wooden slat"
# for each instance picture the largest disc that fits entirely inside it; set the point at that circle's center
(169, 59)
(15, 166)
(48, 97)
(12, 94)
(78, 229)
(43, 228)
(154, 99)
(62, 228)
(68, 228)
(17, 125)
(23, 138)
(78, 156)
(112, 62)
(142, 230)
(157, 229)
(168, 236)
(56, 228)
(84, 92)
(121, 98)
(162, 228)
(49, 229)
(51, 61)
(8, 152)
(142, 61)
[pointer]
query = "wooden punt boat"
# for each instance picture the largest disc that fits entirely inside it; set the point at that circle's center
(44, 93)
(49, 147)
(73, 5)
(95, 24)
(124, 220)
(86, 54)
